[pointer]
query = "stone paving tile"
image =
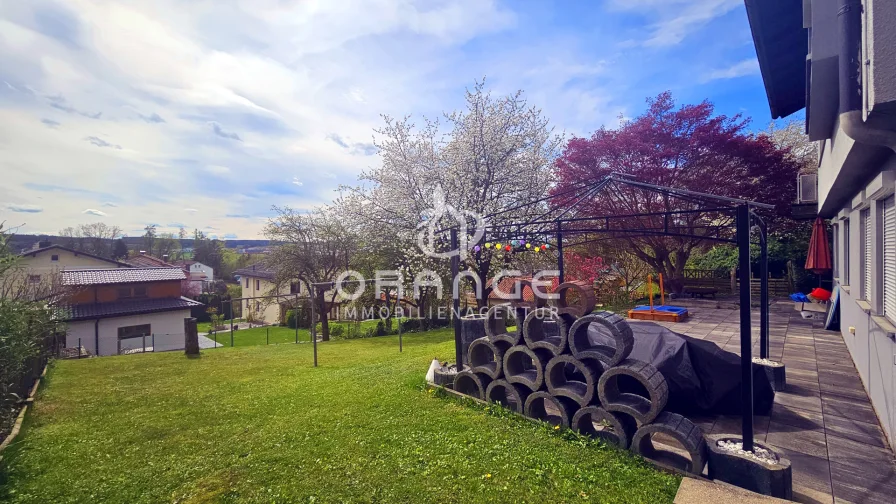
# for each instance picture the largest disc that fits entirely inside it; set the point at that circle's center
(848, 408)
(811, 476)
(865, 486)
(810, 403)
(803, 384)
(797, 439)
(860, 455)
(854, 430)
(798, 418)
(851, 392)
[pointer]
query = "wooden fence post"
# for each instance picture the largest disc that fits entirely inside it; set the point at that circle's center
(191, 337)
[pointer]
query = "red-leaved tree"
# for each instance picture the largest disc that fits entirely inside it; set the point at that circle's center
(686, 147)
(584, 268)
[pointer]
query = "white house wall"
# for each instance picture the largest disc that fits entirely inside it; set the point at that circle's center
(868, 336)
(168, 328)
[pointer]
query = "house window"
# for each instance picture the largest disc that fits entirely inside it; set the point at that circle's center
(846, 252)
(866, 254)
(295, 288)
(124, 292)
(247, 282)
(888, 218)
(134, 331)
(836, 235)
(54, 257)
(34, 278)
(258, 285)
(139, 292)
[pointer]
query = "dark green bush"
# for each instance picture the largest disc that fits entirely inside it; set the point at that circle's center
(337, 330)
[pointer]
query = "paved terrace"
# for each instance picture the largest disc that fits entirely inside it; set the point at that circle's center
(824, 422)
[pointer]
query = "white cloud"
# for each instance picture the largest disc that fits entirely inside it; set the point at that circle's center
(748, 66)
(22, 208)
(94, 211)
(190, 210)
(217, 169)
(296, 181)
(673, 20)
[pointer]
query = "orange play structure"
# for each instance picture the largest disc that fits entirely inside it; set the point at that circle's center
(660, 312)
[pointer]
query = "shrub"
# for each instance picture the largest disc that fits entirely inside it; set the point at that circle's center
(337, 330)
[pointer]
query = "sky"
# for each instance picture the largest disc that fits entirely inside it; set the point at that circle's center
(203, 114)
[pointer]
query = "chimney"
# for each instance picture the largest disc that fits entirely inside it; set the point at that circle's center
(165, 257)
(142, 252)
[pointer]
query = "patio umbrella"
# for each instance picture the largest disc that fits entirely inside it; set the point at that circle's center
(818, 260)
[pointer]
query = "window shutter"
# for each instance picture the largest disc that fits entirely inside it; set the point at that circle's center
(846, 264)
(866, 255)
(889, 253)
(836, 235)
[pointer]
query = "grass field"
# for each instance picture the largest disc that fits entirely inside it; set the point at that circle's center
(276, 334)
(260, 424)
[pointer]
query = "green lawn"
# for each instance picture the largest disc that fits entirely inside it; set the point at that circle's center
(277, 334)
(205, 327)
(260, 424)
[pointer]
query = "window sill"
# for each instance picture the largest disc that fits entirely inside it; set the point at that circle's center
(864, 305)
(845, 288)
(885, 325)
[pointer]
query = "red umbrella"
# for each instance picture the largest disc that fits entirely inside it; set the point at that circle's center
(819, 258)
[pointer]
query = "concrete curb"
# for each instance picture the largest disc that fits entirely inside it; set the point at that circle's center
(17, 426)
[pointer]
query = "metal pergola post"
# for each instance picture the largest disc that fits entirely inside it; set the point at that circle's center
(560, 250)
(455, 303)
(763, 291)
(313, 321)
(746, 334)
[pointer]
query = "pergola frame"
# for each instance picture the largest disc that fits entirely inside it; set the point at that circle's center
(554, 221)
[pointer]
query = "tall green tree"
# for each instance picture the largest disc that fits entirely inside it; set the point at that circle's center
(119, 249)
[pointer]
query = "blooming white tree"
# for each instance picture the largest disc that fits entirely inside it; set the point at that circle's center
(493, 156)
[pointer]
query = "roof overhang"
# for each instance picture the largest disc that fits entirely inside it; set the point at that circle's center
(782, 45)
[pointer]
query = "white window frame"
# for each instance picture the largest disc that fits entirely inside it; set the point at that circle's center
(867, 255)
(887, 242)
(836, 249)
(846, 252)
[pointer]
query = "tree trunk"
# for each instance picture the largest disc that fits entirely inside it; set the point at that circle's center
(324, 316)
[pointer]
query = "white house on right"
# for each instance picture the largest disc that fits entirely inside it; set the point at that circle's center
(837, 60)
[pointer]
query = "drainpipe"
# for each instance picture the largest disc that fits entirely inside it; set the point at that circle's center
(849, 18)
(96, 336)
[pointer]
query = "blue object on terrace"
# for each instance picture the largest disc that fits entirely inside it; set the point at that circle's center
(664, 308)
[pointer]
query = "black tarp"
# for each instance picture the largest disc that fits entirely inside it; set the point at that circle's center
(702, 378)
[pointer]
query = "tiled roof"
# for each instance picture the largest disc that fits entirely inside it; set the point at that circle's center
(120, 276)
(255, 271)
(148, 261)
(34, 252)
(92, 311)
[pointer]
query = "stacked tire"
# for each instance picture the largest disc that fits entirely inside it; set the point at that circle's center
(542, 363)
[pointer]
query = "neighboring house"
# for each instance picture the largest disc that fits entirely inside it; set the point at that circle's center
(258, 281)
(43, 261)
(197, 270)
(845, 78)
(113, 310)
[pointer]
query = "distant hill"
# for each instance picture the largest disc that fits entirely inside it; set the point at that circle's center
(21, 242)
